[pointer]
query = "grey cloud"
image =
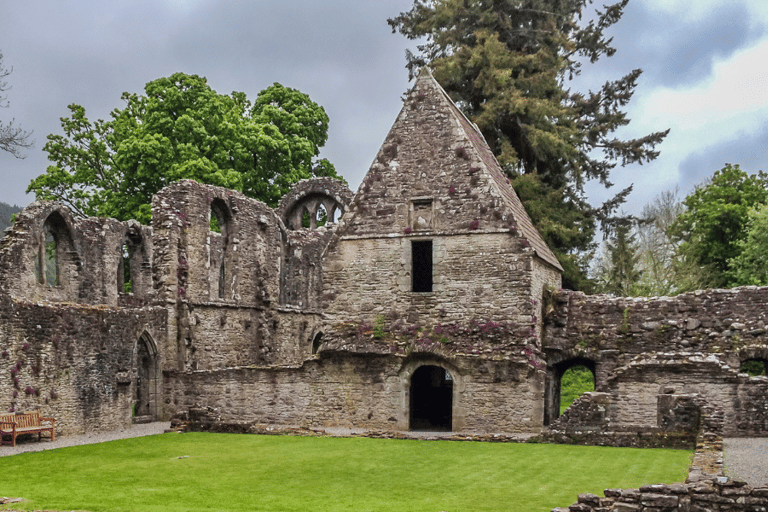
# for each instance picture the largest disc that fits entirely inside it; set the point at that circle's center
(748, 150)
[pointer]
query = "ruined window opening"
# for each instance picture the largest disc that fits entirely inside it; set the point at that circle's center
(336, 214)
(219, 222)
(51, 257)
(431, 399)
(213, 224)
(321, 215)
(421, 261)
(56, 252)
(306, 219)
(754, 367)
(222, 277)
(316, 342)
(124, 284)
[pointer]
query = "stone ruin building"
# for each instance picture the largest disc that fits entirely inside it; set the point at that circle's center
(427, 300)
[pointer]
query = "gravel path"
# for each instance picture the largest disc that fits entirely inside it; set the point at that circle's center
(31, 444)
(747, 459)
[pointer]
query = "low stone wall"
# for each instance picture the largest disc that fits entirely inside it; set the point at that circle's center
(719, 494)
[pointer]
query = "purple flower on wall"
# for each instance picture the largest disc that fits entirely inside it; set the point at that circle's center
(407, 231)
(25, 347)
(474, 224)
(452, 190)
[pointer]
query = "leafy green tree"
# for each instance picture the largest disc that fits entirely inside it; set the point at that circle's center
(12, 138)
(507, 65)
(750, 267)
(715, 221)
(181, 128)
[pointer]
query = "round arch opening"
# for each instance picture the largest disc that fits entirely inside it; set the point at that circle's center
(431, 399)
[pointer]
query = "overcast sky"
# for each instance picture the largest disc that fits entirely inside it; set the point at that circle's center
(705, 73)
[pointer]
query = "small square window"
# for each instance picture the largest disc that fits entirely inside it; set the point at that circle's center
(421, 214)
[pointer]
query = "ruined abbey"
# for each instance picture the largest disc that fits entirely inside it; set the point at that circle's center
(427, 300)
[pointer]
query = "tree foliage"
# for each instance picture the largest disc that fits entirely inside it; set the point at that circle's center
(750, 266)
(12, 138)
(714, 226)
(181, 128)
(506, 65)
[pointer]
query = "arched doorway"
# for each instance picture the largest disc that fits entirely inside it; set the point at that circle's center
(431, 399)
(145, 393)
(578, 374)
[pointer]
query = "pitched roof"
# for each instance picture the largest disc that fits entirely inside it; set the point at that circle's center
(433, 155)
(499, 179)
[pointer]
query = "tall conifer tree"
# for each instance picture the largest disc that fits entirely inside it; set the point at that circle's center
(506, 63)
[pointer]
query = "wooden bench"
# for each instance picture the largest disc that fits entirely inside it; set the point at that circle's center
(28, 422)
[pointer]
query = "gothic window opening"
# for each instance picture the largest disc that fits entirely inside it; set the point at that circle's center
(317, 341)
(321, 216)
(51, 257)
(56, 250)
(421, 263)
(220, 223)
(431, 399)
(146, 389)
(124, 284)
(336, 214)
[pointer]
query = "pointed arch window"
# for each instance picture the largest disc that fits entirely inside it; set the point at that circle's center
(220, 218)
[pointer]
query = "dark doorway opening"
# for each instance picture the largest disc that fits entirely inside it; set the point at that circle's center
(431, 399)
(421, 258)
(145, 398)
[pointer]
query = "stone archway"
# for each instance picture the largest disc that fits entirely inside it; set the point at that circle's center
(553, 383)
(431, 399)
(145, 397)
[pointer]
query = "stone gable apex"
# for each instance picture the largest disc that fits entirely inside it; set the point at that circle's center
(435, 174)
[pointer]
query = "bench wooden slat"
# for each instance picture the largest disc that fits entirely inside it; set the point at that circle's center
(29, 422)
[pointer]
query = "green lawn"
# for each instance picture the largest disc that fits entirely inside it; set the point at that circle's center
(205, 472)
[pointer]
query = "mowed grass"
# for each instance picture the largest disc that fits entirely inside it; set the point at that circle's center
(206, 472)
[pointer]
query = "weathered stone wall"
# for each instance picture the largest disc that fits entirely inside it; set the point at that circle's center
(75, 363)
(89, 254)
(260, 266)
(358, 390)
(644, 347)
(480, 276)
